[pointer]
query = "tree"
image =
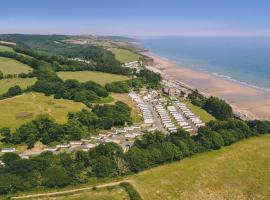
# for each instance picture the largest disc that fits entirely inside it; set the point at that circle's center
(10, 183)
(218, 108)
(1, 75)
(5, 132)
(13, 91)
(56, 177)
(103, 167)
(137, 159)
(8, 158)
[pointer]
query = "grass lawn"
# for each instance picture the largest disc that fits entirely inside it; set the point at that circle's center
(11, 66)
(6, 48)
(98, 77)
(124, 56)
(240, 171)
(5, 84)
(203, 114)
(18, 110)
(111, 193)
(135, 113)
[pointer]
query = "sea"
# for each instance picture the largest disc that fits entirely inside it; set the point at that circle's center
(245, 60)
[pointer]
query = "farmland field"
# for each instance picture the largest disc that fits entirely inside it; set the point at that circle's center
(124, 56)
(5, 84)
(5, 48)
(240, 171)
(11, 66)
(98, 77)
(18, 110)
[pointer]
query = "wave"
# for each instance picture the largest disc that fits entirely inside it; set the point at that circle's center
(240, 82)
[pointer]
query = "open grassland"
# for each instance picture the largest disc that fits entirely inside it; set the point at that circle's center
(98, 77)
(5, 84)
(135, 112)
(11, 66)
(18, 110)
(111, 193)
(203, 114)
(5, 48)
(240, 171)
(124, 56)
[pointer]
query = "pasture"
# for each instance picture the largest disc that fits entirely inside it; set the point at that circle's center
(124, 56)
(98, 77)
(5, 84)
(11, 66)
(111, 193)
(20, 109)
(5, 48)
(240, 171)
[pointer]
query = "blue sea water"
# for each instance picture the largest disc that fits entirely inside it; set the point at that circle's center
(245, 60)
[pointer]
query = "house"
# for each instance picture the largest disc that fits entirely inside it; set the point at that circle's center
(76, 143)
(63, 145)
(8, 150)
(51, 149)
(126, 145)
(24, 156)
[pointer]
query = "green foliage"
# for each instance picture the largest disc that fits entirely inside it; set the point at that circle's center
(8, 158)
(56, 177)
(218, 108)
(1, 75)
(133, 194)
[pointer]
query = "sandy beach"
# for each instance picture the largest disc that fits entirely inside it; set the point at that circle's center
(249, 101)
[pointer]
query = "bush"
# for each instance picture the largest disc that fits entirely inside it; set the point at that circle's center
(133, 194)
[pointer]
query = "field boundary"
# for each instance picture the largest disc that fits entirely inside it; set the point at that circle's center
(71, 191)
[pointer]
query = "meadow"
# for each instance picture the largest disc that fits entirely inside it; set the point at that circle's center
(240, 171)
(11, 66)
(5, 84)
(18, 110)
(111, 193)
(124, 56)
(6, 48)
(98, 77)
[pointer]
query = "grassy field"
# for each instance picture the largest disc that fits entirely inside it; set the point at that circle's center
(11, 66)
(98, 77)
(241, 171)
(5, 48)
(124, 56)
(135, 113)
(112, 193)
(18, 110)
(205, 116)
(5, 84)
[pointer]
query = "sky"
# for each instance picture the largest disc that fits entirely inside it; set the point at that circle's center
(141, 18)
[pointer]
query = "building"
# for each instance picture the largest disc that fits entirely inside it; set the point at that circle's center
(8, 150)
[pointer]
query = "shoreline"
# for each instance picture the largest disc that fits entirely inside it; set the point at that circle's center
(245, 100)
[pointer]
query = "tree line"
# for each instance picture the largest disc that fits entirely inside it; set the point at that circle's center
(109, 160)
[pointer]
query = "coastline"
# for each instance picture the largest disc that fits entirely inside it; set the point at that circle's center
(244, 99)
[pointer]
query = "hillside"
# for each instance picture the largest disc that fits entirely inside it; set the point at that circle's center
(18, 110)
(11, 66)
(240, 171)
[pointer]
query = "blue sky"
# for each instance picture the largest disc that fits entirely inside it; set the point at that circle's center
(137, 17)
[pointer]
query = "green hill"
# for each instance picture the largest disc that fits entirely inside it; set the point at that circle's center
(240, 171)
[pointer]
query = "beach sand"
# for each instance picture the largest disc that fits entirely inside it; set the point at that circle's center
(246, 100)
